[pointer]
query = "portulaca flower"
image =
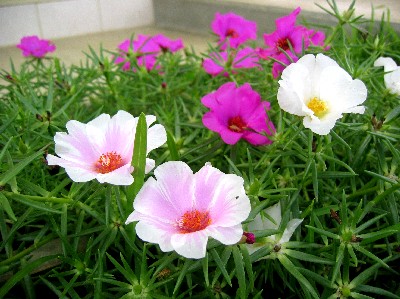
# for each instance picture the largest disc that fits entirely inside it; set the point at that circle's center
(261, 222)
(318, 89)
(392, 78)
(102, 149)
(179, 209)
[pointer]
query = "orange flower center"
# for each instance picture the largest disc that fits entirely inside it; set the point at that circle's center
(193, 221)
(236, 124)
(108, 162)
(231, 33)
(318, 106)
(283, 43)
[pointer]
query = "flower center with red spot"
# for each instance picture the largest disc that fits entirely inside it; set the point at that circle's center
(236, 124)
(231, 33)
(193, 221)
(108, 162)
(283, 43)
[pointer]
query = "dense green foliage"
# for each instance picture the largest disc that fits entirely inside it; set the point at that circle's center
(62, 239)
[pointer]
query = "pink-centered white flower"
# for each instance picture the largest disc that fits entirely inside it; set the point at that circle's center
(392, 73)
(261, 222)
(102, 149)
(180, 210)
(319, 90)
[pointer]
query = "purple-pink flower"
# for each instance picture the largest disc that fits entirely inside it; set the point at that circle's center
(168, 45)
(179, 209)
(238, 112)
(36, 47)
(289, 39)
(223, 63)
(145, 49)
(233, 30)
(102, 149)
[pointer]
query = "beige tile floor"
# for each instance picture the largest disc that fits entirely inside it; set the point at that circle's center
(72, 50)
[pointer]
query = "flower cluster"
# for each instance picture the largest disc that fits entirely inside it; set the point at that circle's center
(178, 209)
(145, 49)
(276, 166)
(35, 47)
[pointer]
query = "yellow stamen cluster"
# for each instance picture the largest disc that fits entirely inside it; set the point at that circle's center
(319, 107)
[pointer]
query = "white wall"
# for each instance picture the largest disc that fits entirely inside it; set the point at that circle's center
(58, 19)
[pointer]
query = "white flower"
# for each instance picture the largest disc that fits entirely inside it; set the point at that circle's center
(261, 222)
(392, 78)
(317, 88)
(102, 149)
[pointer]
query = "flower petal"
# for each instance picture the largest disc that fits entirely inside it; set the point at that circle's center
(191, 245)
(75, 171)
(388, 63)
(226, 235)
(289, 230)
(156, 136)
(150, 232)
(261, 222)
(120, 176)
(171, 195)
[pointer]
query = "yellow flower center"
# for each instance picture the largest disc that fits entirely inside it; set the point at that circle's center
(193, 221)
(319, 107)
(108, 162)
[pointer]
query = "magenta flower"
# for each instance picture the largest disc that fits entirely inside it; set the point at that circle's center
(237, 113)
(288, 40)
(168, 45)
(180, 209)
(288, 36)
(33, 46)
(102, 149)
(220, 63)
(146, 49)
(233, 30)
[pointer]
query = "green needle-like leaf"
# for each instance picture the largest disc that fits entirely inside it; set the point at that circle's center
(138, 161)
(11, 173)
(239, 269)
(305, 284)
